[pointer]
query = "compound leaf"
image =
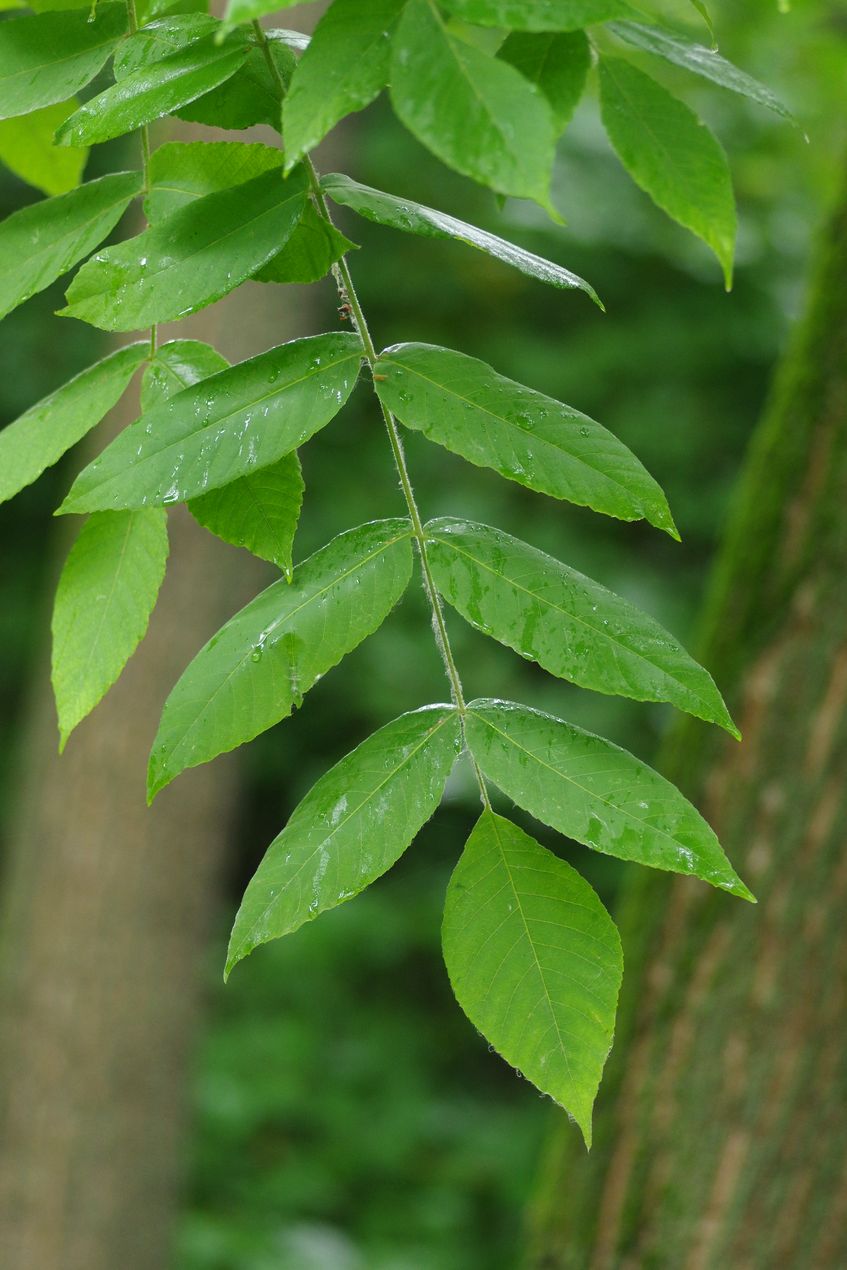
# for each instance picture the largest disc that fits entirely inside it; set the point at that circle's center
(476, 113)
(255, 671)
(47, 57)
(535, 962)
(106, 593)
(344, 68)
(351, 827)
(568, 623)
(671, 155)
(463, 404)
(595, 792)
(192, 258)
(557, 63)
(259, 511)
(41, 242)
(414, 218)
(40, 437)
(231, 423)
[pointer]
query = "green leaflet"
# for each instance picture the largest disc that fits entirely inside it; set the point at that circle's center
(671, 155)
(106, 593)
(153, 91)
(351, 827)
(494, 422)
(200, 253)
(538, 15)
(255, 671)
(594, 792)
(557, 63)
(568, 623)
(250, 10)
(240, 419)
(47, 57)
(700, 60)
(535, 962)
(476, 113)
(41, 242)
(182, 172)
(27, 149)
(259, 511)
(414, 218)
(40, 437)
(177, 365)
(344, 68)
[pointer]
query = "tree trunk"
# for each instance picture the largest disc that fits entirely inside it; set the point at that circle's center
(720, 1135)
(106, 915)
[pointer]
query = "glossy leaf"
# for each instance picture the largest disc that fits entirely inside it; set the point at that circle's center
(160, 38)
(153, 91)
(344, 68)
(41, 242)
(178, 364)
(182, 172)
(414, 218)
(47, 57)
(27, 149)
(535, 962)
(259, 511)
(243, 418)
(476, 113)
(200, 253)
(255, 671)
(568, 623)
(594, 792)
(351, 827)
(700, 60)
(671, 155)
(40, 437)
(106, 593)
(538, 15)
(557, 63)
(463, 404)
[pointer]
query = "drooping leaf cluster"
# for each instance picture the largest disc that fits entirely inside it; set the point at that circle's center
(489, 86)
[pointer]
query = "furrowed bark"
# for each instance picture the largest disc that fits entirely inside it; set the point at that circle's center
(721, 1128)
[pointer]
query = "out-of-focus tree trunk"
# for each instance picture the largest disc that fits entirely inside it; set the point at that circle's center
(106, 913)
(721, 1134)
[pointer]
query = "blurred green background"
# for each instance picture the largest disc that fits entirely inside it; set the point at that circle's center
(345, 1114)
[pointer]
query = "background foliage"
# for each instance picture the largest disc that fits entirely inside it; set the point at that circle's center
(346, 1115)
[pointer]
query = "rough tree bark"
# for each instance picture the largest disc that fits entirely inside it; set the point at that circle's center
(106, 915)
(720, 1135)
